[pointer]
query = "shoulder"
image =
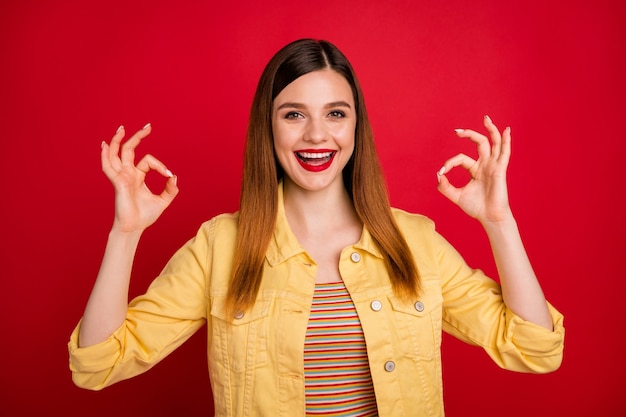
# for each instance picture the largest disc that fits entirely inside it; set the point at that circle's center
(222, 227)
(412, 221)
(418, 230)
(225, 222)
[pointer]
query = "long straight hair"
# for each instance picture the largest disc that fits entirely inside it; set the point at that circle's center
(362, 177)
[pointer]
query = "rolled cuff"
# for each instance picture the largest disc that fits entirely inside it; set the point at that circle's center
(91, 365)
(530, 347)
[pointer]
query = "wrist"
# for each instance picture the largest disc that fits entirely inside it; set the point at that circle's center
(118, 233)
(506, 222)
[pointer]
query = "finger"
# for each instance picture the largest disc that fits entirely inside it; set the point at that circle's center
(128, 149)
(484, 150)
(117, 139)
(171, 190)
(105, 160)
(494, 133)
(445, 187)
(114, 148)
(448, 190)
(505, 153)
(149, 162)
(461, 160)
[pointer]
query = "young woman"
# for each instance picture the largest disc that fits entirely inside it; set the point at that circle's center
(319, 299)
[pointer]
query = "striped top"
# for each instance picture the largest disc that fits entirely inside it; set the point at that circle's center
(337, 376)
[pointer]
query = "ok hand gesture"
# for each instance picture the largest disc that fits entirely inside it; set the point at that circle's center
(485, 196)
(136, 207)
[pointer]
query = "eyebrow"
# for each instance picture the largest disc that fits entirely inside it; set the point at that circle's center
(291, 105)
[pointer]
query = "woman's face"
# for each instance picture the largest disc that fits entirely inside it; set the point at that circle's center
(314, 122)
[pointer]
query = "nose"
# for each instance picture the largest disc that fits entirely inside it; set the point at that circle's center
(315, 131)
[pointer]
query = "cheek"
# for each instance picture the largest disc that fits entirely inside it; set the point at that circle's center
(278, 138)
(281, 147)
(347, 135)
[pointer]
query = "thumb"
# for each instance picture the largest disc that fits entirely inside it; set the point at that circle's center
(171, 189)
(447, 189)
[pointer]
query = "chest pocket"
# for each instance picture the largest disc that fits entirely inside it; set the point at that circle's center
(419, 322)
(241, 342)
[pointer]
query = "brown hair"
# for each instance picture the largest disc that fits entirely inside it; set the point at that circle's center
(362, 176)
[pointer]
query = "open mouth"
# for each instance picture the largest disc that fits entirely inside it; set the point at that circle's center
(315, 161)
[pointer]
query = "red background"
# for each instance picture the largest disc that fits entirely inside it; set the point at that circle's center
(72, 71)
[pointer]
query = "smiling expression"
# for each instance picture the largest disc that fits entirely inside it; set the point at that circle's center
(313, 122)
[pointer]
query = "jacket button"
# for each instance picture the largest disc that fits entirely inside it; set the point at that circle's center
(239, 314)
(419, 306)
(355, 257)
(390, 366)
(376, 305)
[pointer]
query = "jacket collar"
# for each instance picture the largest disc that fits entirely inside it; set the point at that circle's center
(284, 244)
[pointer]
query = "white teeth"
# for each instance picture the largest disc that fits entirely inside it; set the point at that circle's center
(316, 155)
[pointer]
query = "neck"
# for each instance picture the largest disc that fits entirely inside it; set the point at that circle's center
(312, 210)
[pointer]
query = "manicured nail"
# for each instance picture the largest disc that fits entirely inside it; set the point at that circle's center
(176, 180)
(487, 118)
(169, 173)
(438, 178)
(508, 128)
(146, 126)
(441, 171)
(102, 144)
(119, 129)
(459, 131)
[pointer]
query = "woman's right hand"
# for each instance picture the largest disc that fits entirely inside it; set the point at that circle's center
(136, 207)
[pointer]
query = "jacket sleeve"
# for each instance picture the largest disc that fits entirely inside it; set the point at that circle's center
(474, 311)
(173, 308)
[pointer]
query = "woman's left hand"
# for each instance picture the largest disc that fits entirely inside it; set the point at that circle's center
(485, 196)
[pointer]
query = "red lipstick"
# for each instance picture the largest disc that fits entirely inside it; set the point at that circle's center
(315, 160)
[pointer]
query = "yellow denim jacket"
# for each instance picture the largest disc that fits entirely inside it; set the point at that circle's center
(256, 359)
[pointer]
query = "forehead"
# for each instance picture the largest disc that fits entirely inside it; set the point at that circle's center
(317, 87)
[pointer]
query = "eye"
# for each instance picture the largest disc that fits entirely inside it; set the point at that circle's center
(337, 114)
(292, 115)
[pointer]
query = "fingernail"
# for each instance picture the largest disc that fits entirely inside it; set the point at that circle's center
(146, 126)
(459, 131)
(508, 128)
(169, 173)
(119, 129)
(438, 178)
(487, 118)
(102, 144)
(176, 180)
(441, 171)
